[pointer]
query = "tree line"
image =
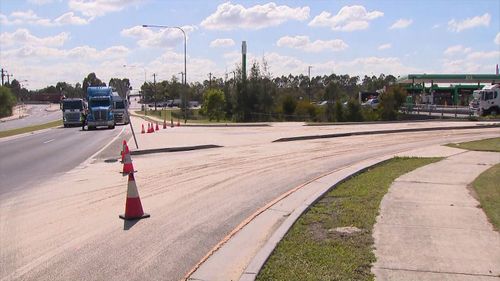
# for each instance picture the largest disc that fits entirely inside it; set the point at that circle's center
(260, 97)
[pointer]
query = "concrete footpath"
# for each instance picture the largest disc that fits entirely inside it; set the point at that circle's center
(430, 227)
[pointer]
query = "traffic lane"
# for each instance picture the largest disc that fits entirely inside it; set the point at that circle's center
(29, 160)
(195, 199)
(37, 115)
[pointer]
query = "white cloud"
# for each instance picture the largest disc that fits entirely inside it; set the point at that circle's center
(303, 43)
(401, 24)
(497, 39)
(349, 18)
(97, 8)
(83, 53)
(229, 16)
(157, 37)
(468, 23)
(23, 17)
(29, 17)
(491, 55)
(284, 65)
(384, 46)
(455, 50)
(24, 37)
(222, 43)
(70, 18)
(172, 63)
(473, 62)
(40, 2)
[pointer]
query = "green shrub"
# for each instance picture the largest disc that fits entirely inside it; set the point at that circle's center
(214, 103)
(7, 102)
(354, 111)
(305, 110)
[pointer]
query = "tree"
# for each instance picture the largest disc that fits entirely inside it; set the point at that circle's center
(91, 81)
(391, 101)
(338, 112)
(289, 104)
(213, 104)
(7, 101)
(122, 86)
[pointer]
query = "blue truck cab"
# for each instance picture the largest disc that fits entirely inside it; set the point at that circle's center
(100, 104)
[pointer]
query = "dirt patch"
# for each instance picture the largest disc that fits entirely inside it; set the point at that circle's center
(472, 192)
(318, 233)
(345, 231)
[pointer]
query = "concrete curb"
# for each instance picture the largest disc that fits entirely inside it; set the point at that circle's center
(173, 149)
(209, 267)
(265, 252)
(394, 122)
(386, 132)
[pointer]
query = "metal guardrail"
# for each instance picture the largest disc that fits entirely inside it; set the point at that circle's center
(439, 110)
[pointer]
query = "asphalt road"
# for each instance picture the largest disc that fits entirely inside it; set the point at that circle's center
(29, 160)
(37, 114)
(68, 228)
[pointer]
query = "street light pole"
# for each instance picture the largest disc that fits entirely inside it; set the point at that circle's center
(309, 86)
(185, 65)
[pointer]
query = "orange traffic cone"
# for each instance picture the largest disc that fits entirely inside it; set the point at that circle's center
(133, 205)
(127, 165)
(157, 128)
(125, 150)
(164, 124)
(122, 153)
(149, 128)
(142, 131)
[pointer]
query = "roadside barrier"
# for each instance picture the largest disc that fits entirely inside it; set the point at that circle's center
(133, 205)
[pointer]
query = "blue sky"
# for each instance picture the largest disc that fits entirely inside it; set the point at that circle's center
(46, 41)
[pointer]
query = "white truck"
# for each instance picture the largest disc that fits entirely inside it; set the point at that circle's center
(489, 100)
(72, 110)
(120, 106)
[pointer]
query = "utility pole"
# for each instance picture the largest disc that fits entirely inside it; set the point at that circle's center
(210, 80)
(154, 89)
(309, 86)
(2, 76)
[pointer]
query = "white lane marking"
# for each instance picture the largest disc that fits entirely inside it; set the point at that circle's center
(49, 141)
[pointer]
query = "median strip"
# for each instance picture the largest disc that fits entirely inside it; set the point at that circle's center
(13, 132)
(378, 132)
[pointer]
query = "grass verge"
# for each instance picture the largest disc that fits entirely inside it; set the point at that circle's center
(13, 132)
(193, 117)
(488, 193)
(312, 250)
(492, 144)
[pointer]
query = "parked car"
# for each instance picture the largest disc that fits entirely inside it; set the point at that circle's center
(372, 103)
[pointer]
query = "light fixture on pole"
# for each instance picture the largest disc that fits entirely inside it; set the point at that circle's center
(185, 67)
